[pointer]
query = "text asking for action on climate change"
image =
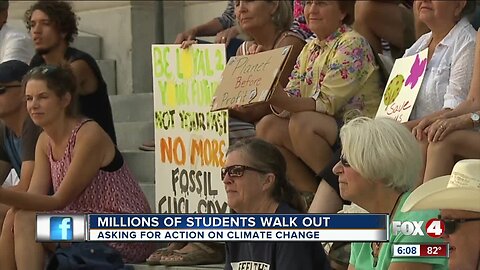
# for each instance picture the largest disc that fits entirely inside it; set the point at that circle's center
(237, 227)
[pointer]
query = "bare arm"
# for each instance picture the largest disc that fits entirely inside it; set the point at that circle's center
(212, 27)
(87, 82)
(92, 150)
(280, 99)
(208, 29)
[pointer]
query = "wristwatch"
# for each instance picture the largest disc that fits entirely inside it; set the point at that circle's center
(475, 119)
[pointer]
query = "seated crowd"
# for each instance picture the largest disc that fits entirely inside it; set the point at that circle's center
(316, 147)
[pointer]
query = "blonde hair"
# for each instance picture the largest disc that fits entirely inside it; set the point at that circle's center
(283, 16)
(383, 150)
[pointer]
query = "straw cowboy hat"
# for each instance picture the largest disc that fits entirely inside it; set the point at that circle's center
(459, 191)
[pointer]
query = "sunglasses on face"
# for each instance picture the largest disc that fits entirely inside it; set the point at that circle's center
(451, 225)
(4, 88)
(344, 161)
(238, 170)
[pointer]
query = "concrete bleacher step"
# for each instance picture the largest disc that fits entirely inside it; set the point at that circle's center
(91, 44)
(108, 69)
(149, 191)
(130, 135)
(142, 166)
(84, 41)
(141, 163)
(132, 108)
(163, 267)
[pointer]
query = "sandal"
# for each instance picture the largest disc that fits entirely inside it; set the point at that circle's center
(148, 146)
(156, 256)
(204, 253)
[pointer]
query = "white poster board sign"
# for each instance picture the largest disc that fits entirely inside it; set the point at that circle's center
(403, 87)
(190, 141)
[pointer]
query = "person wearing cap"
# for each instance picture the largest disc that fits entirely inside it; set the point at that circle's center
(14, 45)
(372, 174)
(18, 134)
(458, 198)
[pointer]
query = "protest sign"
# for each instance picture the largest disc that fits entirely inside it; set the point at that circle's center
(190, 141)
(403, 87)
(249, 79)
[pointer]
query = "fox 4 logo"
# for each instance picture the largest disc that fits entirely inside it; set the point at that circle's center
(433, 228)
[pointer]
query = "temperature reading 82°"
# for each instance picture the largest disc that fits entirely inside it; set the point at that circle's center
(434, 250)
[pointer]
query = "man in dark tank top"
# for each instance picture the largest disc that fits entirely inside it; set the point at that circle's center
(53, 27)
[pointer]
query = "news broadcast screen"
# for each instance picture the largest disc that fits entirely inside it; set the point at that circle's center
(241, 227)
(212, 227)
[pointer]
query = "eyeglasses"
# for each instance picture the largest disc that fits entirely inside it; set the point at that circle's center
(451, 225)
(4, 88)
(344, 161)
(238, 170)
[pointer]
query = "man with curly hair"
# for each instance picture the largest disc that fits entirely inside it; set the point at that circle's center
(53, 27)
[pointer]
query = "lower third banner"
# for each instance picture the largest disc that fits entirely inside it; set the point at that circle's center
(218, 227)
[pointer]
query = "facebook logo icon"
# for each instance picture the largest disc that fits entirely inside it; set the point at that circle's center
(61, 228)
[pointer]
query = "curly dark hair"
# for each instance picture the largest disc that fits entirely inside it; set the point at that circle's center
(60, 13)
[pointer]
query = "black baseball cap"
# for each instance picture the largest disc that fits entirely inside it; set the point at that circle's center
(13, 70)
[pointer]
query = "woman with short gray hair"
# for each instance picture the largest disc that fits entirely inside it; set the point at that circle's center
(380, 163)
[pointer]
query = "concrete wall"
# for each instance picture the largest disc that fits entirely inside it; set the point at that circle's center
(128, 28)
(187, 14)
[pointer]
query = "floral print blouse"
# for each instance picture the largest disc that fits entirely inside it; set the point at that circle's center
(299, 25)
(340, 74)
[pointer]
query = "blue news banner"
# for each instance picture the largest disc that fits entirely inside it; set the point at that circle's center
(212, 227)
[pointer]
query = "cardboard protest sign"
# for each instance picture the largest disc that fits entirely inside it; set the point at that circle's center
(250, 79)
(190, 141)
(403, 86)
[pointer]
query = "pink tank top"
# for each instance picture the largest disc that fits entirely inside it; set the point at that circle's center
(109, 192)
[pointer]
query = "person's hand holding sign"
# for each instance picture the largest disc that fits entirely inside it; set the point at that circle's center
(255, 48)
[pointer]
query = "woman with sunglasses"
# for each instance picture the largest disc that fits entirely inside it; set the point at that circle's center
(79, 159)
(255, 181)
(458, 197)
(380, 163)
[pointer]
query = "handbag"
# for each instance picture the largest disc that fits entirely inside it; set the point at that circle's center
(83, 256)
